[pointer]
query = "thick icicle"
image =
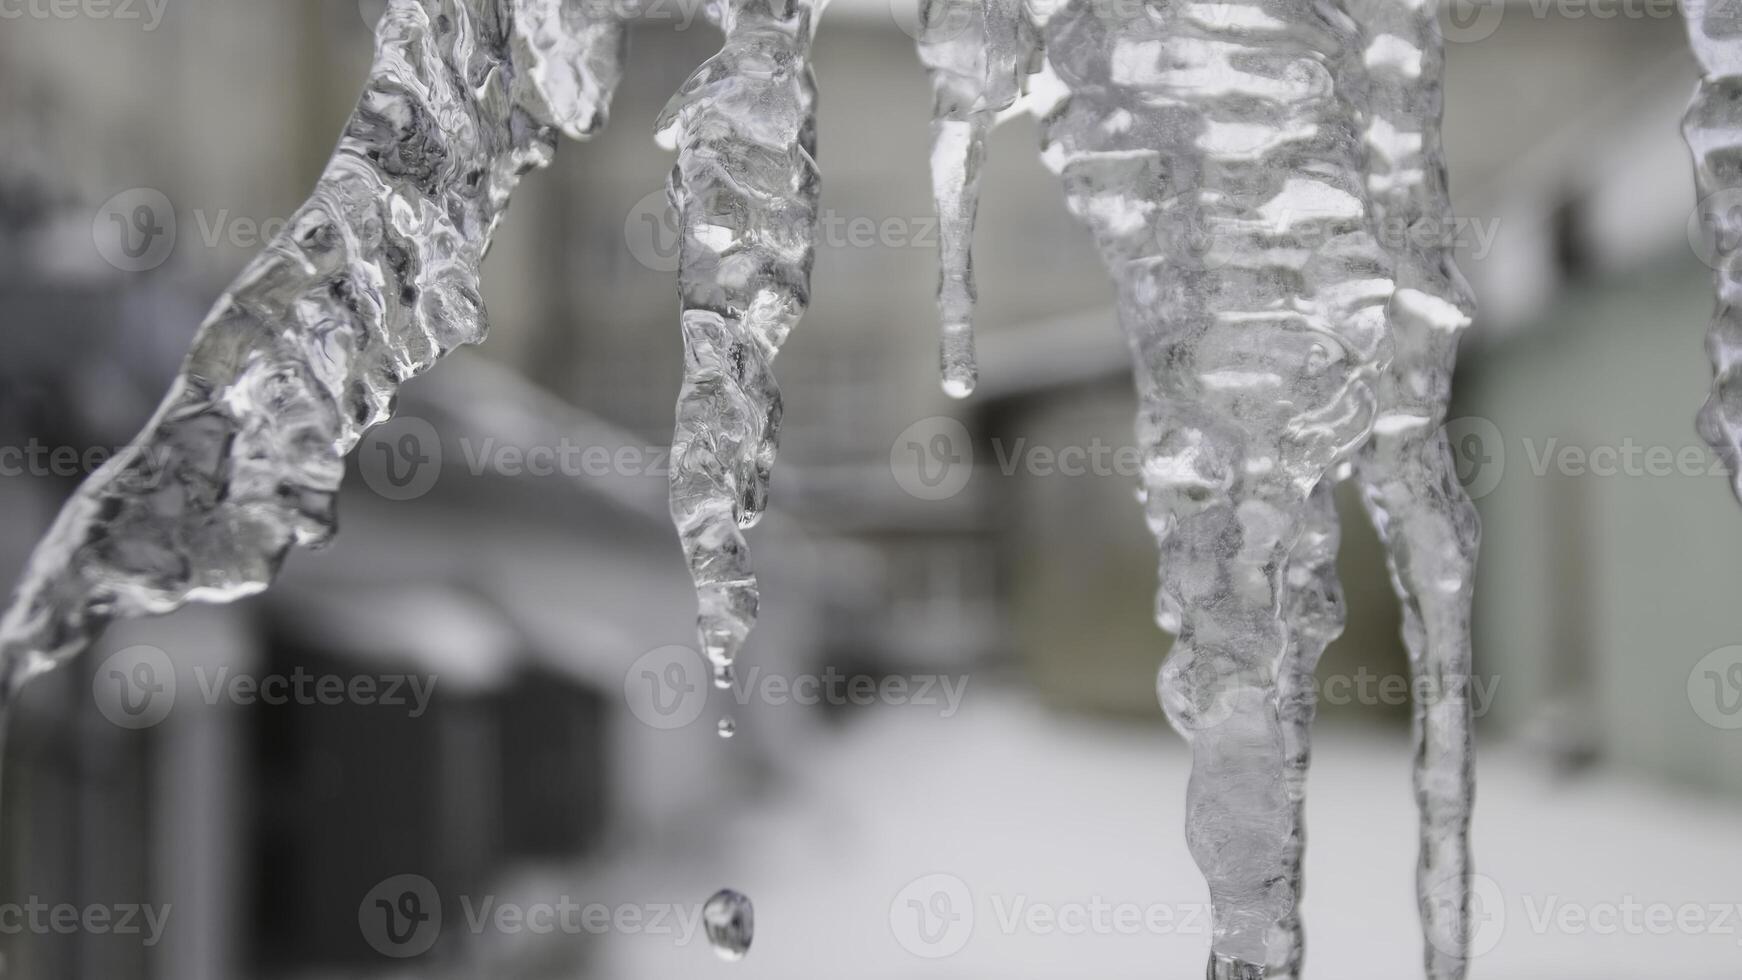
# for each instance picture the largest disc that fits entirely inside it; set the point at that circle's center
(978, 53)
(1713, 128)
(1406, 473)
(1211, 152)
(373, 280)
(745, 189)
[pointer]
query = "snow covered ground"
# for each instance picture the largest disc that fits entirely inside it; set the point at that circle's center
(1008, 842)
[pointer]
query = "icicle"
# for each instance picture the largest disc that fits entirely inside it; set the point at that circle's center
(1406, 473)
(978, 52)
(1713, 128)
(1209, 149)
(374, 279)
(745, 188)
(1315, 614)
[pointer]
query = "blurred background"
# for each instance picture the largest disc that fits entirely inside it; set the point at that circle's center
(469, 739)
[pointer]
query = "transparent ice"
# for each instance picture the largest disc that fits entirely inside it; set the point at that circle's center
(745, 189)
(1713, 127)
(979, 54)
(374, 279)
(1236, 162)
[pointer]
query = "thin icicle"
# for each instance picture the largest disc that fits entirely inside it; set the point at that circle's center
(1713, 128)
(978, 53)
(1211, 152)
(1316, 616)
(373, 280)
(1406, 473)
(745, 188)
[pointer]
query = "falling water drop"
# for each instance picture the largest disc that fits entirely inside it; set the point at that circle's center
(730, 921)
(727, 728)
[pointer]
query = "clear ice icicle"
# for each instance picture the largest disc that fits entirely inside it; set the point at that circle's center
(373, 280)
(978, 53)
(1713, 128)
(745, 189)
(1219, 164)
(1406, 473)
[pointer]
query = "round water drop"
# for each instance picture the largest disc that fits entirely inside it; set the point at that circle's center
(730, 922)
(728, 728)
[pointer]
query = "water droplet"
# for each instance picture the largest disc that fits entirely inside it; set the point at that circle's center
(730, 922)
(725, 675)
(728, 728)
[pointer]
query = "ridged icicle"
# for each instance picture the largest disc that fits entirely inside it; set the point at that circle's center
(1219, 164)
(745, 189)
(373, 280)
(1713, 128)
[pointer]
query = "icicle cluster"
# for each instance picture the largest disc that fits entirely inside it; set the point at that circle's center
(745, 189)
(979, 54)
(1713, 128)
(373, 280)
(1235, 162)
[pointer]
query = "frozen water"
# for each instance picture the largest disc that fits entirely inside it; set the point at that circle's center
(979, 54)
(1405, 472)
(1234, 162)
(730, 921)
(372, 281)
(745, 189)
(1713, 127)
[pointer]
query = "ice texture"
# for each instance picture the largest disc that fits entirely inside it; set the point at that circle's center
(745, 189)
(373, 280)
(1216, 152)
(1405, 472)
(1713, 128)
(978, 53)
